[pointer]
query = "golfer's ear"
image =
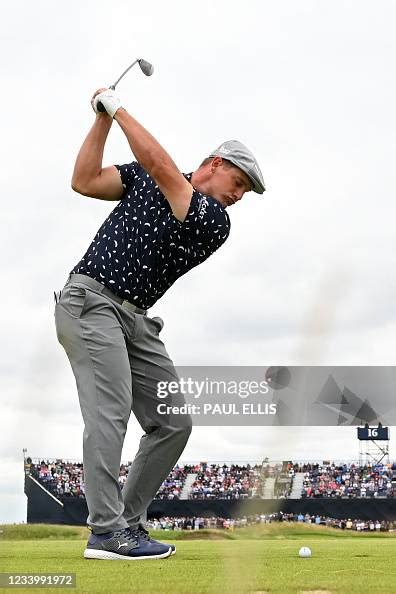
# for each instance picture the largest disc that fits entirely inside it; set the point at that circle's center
(217, 161)
(176, 189)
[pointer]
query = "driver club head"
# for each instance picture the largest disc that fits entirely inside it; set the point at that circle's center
(146, 67)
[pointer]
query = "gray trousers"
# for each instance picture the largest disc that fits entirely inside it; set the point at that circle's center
(118, 358)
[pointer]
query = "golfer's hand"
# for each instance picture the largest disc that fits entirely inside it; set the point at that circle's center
(108, 99)
(93, 99)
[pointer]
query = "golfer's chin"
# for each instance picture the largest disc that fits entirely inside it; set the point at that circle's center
(225, 202)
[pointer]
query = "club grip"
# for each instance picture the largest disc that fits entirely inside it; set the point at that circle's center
(100, 106)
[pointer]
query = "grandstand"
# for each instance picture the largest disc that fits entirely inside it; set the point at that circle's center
(349, 480)
(55, 490)
(64, 479)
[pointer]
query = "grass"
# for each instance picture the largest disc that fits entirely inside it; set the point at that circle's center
(251, 560)
(275, 530)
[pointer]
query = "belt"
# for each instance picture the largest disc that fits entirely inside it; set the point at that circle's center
(94, 284)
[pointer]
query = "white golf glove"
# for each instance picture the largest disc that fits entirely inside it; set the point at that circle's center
(109, 100)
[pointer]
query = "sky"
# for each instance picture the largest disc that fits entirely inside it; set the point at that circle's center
(306, 277)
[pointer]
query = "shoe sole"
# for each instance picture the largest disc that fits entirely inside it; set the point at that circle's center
(174, 552)
(109, 555)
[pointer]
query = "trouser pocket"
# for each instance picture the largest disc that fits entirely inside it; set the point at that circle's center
(76, 300)
(72, 299)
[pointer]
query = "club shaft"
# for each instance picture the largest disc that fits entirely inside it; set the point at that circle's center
(113, 86)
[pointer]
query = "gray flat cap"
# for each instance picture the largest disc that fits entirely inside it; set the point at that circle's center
(238, 154)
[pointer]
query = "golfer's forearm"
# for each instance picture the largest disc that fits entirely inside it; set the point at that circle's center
(144, 146)
(89, 159)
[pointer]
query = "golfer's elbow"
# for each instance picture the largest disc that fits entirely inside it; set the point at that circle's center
(78, 187)
(83, 180)
(75, 187)
(78, 190)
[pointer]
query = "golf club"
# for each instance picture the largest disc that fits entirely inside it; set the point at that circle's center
(145, 67)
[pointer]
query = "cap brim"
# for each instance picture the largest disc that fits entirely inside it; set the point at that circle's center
(258, 188)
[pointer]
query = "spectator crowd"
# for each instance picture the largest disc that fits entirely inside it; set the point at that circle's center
(215, 481)
(199, 523)
(349, 480)
(234, 481)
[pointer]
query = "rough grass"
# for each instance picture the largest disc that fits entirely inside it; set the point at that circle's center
(42, 531)
(275, 530)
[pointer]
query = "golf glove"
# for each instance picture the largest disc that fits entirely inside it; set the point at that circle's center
(109, 100)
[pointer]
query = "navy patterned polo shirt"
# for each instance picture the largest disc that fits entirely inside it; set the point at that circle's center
(141, 249)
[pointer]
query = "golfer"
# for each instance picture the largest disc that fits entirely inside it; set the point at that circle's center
(164, 224)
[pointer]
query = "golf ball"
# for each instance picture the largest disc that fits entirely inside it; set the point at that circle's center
(305, 552)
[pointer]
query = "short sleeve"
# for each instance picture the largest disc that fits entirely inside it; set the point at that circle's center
(207, 222)
(128, 173)
(206, 217)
